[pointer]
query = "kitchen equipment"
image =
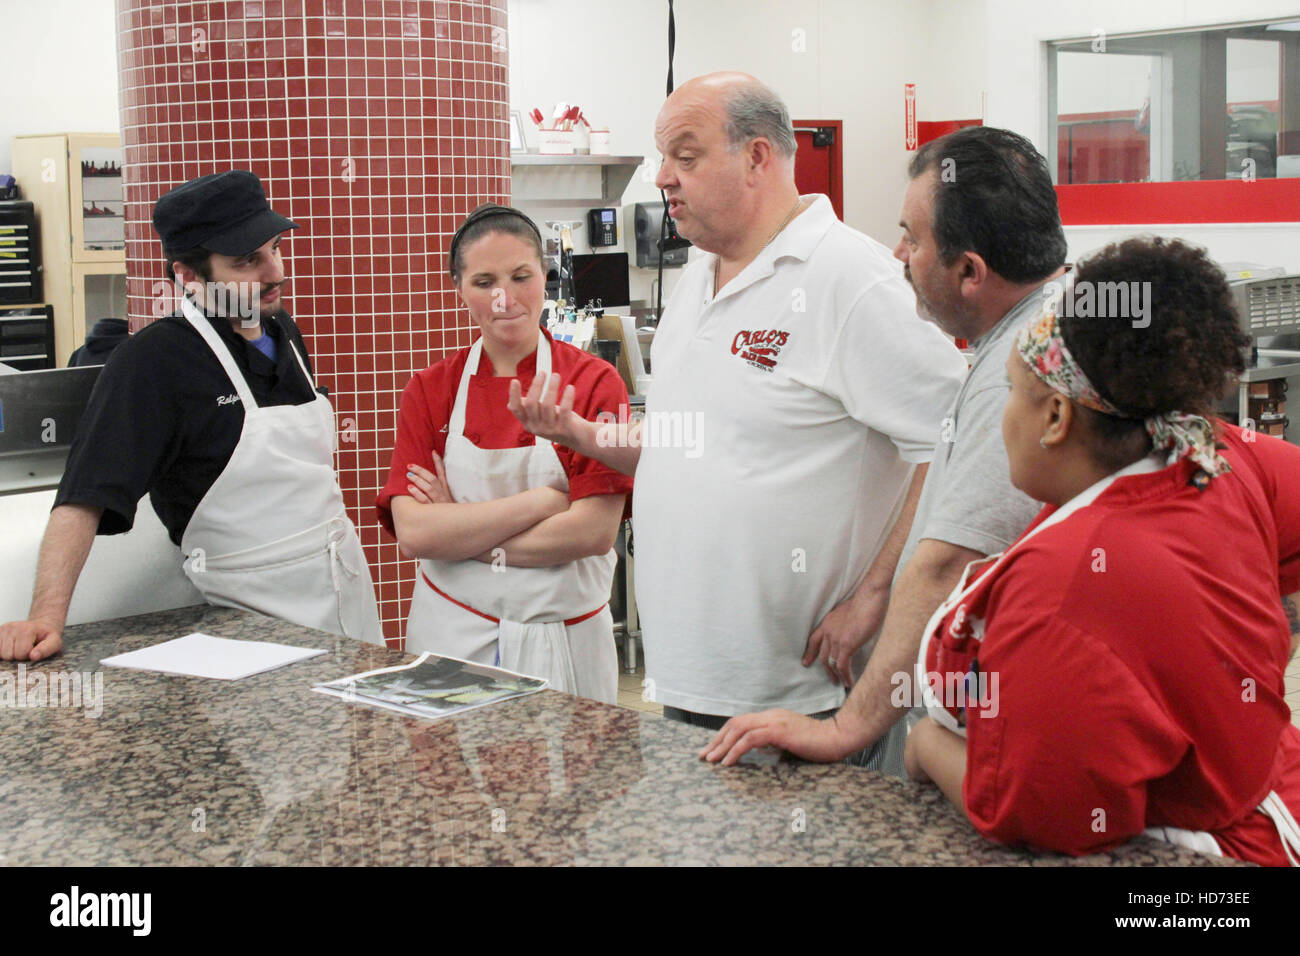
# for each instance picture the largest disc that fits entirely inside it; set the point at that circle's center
(39, 412)
(129, 573)
(1267, 303)
(602, 277)
(555, 142)
(608, 349)
(27, 337)
(1268, 308)
(647, 219)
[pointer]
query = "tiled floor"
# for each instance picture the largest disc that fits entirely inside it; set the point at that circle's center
(630, 690)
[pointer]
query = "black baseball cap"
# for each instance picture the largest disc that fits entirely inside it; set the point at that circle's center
(226, 213)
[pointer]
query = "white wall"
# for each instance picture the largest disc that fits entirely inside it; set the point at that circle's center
(947, 59)
(58, 69)
(829, 59)
(856, 55)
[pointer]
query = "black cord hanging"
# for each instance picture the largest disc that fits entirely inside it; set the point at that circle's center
(672, 44)
(664, 224)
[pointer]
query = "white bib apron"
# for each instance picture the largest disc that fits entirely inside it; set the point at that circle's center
(1199, 840)
(551, 622)
(271, 535)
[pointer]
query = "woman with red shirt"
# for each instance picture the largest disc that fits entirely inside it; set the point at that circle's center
(1119, 668)
(514, 535)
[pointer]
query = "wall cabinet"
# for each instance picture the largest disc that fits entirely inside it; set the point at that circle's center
(75, 182)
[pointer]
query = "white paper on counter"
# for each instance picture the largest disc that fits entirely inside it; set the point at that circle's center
(202, 655)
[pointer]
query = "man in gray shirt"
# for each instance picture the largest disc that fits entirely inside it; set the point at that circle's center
(981, 237)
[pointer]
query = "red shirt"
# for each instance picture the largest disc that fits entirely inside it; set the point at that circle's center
(1139, 648)
(426, 411)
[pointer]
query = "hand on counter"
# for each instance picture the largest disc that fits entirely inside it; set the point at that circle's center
(32, 640)
(68, 536)
(821, 741)
(844, 631)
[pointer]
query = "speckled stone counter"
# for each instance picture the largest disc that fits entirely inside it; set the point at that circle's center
(180, 770)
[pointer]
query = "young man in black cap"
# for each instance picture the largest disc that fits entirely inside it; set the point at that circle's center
(214, 413)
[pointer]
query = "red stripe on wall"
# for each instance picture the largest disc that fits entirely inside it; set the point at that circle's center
(1220, 200)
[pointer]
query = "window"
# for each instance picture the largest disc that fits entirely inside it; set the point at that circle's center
(1212, 104)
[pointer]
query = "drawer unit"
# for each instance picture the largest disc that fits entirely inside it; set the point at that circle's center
(27, 337)
(20, 253)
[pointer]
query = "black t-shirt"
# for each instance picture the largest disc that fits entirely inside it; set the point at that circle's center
(164, 419)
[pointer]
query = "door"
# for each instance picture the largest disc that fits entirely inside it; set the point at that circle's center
(818, 164)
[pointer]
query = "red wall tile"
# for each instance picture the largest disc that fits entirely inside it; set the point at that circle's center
(349, 118)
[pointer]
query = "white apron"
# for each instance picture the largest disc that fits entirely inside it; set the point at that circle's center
(271, 535)
(1199, 840)
(552, 622)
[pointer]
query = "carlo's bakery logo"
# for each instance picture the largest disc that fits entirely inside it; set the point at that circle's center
(761, 348)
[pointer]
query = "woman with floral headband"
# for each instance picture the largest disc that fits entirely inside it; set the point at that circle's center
(1119, 669)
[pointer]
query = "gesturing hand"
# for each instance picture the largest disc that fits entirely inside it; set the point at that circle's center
(538, 412)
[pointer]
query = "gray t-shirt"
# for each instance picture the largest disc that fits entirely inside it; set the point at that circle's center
(968, 499)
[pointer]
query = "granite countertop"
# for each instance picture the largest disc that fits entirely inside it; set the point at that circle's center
(180, 770)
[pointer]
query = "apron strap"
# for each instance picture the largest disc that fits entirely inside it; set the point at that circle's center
(301, 363)
(219, 349)
(338, 529)
(456, 426)
(568, 622)
(965, 586)
(1287, 828)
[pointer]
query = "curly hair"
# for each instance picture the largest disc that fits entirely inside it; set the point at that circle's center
(1185, 359)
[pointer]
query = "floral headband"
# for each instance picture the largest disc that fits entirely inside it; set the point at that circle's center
(1043, 348)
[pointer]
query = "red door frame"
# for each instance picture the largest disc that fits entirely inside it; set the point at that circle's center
(837, 161)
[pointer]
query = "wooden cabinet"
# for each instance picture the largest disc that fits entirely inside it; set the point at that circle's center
(75, 181)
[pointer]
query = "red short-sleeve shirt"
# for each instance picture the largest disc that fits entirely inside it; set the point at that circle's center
(1132, 660)
(426, 411)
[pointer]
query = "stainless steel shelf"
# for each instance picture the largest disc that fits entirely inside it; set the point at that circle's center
(541, 178)
(573, 159)
(1273, 363)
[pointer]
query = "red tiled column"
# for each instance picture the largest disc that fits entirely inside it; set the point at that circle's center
(374, 124)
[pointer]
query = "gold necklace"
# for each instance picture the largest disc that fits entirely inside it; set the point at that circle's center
(794, 209)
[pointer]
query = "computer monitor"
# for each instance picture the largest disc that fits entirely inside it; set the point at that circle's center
(603, 277)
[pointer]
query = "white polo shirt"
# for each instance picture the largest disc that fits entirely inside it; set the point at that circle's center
(781, 429)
